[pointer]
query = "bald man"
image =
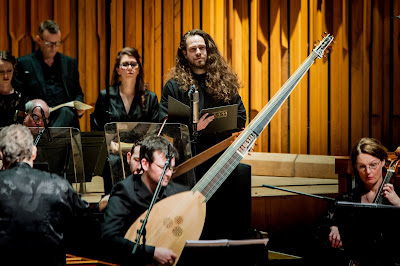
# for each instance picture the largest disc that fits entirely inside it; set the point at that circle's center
(33, 113)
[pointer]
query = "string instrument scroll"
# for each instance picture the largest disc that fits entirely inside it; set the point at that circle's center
(180, 217)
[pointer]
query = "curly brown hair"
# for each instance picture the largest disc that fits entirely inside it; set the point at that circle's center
(140, 86)
(221, 81)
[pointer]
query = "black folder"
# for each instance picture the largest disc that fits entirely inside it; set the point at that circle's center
(225, 117)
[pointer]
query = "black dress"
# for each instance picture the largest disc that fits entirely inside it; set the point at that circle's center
(113, 109)
(9, 104)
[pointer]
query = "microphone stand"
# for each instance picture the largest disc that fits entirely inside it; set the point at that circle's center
(194, 109)
(38, 136)
(142, 231)
(300, 193)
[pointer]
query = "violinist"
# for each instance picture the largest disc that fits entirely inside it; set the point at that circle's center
(368, 159)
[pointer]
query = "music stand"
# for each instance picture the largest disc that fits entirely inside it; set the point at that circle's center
(94, 153)
(121, 136)
(225, 252)
(62, 156)
(368, 230)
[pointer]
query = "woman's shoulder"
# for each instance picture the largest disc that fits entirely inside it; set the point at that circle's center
(113, 90)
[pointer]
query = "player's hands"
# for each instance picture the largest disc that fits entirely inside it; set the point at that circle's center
(334, 237)
(164, 256)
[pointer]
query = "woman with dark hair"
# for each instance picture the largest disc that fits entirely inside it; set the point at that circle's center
(128, 99)
(368, 158)
(11, 100)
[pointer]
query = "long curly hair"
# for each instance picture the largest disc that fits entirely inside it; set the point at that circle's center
(140, 86)
(221, 81)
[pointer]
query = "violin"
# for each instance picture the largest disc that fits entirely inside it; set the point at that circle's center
(390, 173)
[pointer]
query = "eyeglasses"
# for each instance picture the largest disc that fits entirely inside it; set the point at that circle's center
(173, 169)
(37, 118)
(125, 65)
(371, 166)
(51, 44)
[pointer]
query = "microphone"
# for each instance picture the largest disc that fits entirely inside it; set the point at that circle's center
(46, 126)
(191, 90)
(170, 154)
(195, 106)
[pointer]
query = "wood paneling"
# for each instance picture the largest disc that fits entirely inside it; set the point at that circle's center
(348, 95)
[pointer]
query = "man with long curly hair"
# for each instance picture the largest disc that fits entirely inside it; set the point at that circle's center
(200, 63)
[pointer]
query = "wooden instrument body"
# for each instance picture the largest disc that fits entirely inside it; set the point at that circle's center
(172, 221)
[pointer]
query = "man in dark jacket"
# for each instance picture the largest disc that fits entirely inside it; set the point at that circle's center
(35, 206)
(131, 197)
(51, 76)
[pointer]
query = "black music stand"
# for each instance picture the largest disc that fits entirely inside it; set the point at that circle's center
(369, 231)
(63, 155)
(225, 252)
(94, 153)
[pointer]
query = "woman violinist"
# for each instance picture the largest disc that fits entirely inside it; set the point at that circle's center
(368, 158)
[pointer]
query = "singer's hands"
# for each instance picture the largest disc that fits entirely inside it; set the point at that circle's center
(204, 121)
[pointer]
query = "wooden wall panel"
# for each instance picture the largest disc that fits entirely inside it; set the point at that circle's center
(284, 127)
(351, 94)
(377, 65)
(4, 14)
(158, 80)
(117, 34)
(259, 47)
(298, 53)
(21, 43)
(318, 83)
(339, 87)
(149, 43)
(276, 82)
(42, 10)
(133, 25)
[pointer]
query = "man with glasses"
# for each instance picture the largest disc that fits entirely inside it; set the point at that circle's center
(33, 113)
(52, 76)
(131, 197)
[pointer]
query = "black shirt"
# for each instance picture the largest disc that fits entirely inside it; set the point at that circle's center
(53, 80)
(113, 109)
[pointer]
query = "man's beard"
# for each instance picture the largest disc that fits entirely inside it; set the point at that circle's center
(198, 64)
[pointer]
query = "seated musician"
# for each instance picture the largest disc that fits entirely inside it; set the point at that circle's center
(368, 159)
(133, 159)
(33, 113)
(36, 207)
(131, 197)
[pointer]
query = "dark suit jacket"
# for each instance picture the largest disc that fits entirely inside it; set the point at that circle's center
(31, 81)
(129, 199)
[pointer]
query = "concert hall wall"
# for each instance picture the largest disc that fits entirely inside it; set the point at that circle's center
(352, 93)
